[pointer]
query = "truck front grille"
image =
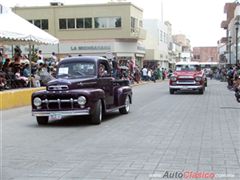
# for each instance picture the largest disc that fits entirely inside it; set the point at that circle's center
(60, 104)
(58, 88)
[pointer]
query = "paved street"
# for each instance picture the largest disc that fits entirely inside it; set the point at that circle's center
(163, 132)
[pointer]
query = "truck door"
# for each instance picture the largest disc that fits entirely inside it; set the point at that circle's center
(106, 82)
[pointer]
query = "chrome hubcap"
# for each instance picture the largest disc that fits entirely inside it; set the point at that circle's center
(127, 104)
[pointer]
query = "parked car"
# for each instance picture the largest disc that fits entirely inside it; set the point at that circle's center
(83, 86)
(188, 76)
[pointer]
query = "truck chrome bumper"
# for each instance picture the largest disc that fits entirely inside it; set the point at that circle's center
(185, 87)
(62, 113)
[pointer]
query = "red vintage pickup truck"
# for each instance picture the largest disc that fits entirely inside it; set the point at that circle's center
(188, 76)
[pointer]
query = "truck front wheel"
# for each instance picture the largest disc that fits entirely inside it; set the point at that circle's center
(126, 108)
(42, 120)
(96, 114)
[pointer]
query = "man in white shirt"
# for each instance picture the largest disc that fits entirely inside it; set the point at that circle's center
(145, 73)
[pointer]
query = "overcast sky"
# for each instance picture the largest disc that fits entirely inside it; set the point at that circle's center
(199, 20)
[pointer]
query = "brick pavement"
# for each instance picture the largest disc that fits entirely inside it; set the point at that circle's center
(181, 132)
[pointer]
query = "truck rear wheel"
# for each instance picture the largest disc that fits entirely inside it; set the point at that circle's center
(126, 108)
(96, 114)
(42, 120)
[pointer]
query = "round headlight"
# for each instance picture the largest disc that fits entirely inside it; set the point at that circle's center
(198, 78)
(173, 78)
(82, 100)
(37, 101)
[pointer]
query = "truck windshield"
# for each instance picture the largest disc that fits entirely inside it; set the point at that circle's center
(188, 67)
(76, 70)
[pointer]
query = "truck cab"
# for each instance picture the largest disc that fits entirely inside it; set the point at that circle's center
(83, 86)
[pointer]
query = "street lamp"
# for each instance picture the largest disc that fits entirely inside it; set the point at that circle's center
(236, 25)
(229, 46)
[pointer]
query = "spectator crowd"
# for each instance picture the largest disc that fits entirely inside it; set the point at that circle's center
(19, 71)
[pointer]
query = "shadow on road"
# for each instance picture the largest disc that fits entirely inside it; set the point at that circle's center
(73, 121)
(187, 92)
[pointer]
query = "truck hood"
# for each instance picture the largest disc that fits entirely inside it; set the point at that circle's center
(67, 84)
(187, 73)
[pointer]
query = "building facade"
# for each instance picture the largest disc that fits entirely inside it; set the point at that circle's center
(230, 42)
(110, 29)
(205, 54)
(186, 51)
(156, 43)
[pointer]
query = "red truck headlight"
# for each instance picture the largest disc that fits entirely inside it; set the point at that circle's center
(173, 78)
(198, 78)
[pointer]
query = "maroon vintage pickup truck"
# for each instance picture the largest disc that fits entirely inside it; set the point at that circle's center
(188, 76)
(84, 86)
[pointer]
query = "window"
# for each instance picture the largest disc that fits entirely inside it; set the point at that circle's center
(188, 67)
(88, 23)
(161, 36)
(79, 69)
(62, 23)
(37, 23)
(80, 23)
(71, 23)
(44, 24)
(107, 22)
(84, 22)
(118, 22)
(140, 23)
(133, 24)
(196, 57)
(40, 23)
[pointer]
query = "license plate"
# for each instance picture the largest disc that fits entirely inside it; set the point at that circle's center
(54, 116)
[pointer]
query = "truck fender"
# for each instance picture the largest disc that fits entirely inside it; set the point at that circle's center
(122, 93)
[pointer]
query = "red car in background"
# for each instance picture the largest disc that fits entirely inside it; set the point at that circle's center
(188, 76)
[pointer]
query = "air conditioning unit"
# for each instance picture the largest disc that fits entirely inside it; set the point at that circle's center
(56, 4)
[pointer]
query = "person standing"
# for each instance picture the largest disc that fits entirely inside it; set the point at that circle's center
(145, 73)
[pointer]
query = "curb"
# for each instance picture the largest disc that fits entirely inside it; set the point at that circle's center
(17, 97)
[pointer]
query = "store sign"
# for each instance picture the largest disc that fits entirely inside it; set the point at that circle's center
(90, 48)
(140, 48)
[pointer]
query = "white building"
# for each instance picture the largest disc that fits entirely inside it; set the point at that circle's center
(156, 43)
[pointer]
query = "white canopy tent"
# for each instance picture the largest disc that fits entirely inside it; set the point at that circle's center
(14, 28)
